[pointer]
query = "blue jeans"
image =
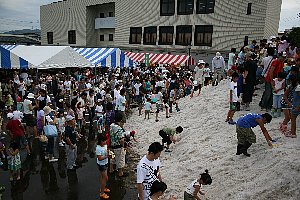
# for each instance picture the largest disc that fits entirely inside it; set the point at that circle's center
(277, 101)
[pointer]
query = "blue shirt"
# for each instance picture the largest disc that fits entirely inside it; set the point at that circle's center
(249, 120)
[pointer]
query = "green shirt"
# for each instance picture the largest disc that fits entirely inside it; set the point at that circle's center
(169, 131)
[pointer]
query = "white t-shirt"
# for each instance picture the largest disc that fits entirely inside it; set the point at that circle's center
(99, 110)
(197, 72)
(67, 85)
(158, 97)
(116, 94)
(26, 108)
(278, 85)
(91, 100)
(101, 151)
(48, 100)
(233, 87)
(191, 189)
(147, 106)
(120, 101)
(147, 173)
(137, 88)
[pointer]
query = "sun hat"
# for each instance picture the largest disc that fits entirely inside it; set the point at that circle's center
(30, 96)
(218, 54)
(69, 118)
(201, 62)
(47, 110)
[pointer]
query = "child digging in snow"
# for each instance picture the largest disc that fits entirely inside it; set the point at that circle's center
(168, 134)
(191, 192)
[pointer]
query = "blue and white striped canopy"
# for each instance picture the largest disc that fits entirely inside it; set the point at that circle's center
(106, 57)
(9, 47)
(9, 60)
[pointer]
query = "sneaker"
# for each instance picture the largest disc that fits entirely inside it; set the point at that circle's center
(53, 160)
(61, 144)
(104, 196)
(156, 120)
(232, 122)
(46, 157)
(168, 150)
(1, 163)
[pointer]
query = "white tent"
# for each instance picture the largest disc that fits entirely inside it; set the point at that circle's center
(46, 57)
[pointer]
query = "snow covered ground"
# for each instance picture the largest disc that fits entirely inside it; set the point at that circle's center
(207, 142)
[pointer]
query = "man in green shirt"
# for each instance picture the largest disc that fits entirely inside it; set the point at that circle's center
(167, 135)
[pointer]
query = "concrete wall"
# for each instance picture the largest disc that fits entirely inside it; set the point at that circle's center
(230, 22)
(272, 18)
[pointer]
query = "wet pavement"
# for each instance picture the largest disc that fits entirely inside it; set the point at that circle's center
(52, 181)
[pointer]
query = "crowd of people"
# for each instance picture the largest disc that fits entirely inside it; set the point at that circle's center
(56, 109)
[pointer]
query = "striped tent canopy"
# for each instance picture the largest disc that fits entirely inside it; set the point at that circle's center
(9, 60)
(46, 57)
(170, 59)
(106, 57)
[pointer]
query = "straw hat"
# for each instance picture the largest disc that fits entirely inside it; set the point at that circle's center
(47, 110)
(30, 96)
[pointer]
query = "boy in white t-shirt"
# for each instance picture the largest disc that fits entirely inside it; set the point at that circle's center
(233, 98)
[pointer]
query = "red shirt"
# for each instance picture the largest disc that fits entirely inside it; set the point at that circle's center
(278, 68)
(15, 127)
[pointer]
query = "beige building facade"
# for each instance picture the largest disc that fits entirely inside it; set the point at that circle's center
(165, 25)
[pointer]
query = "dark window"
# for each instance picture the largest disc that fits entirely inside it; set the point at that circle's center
(246, 41)
(203, 35)
(72, 37)
(205, 6)
(111, 37)
(249, 8)
(150, 35)
(101, 37)
(111, 14)
(185, 7)
(50, 37)
(101, 15)
(184, 35)
(166, 35)
(167, 7)
(135, 35)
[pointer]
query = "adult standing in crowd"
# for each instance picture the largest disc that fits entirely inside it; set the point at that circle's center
(250, 68)
(218, 67)
(276, 66)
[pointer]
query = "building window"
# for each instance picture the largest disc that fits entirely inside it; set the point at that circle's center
(167, 7)
(111, 14)
(111, 37)
(166, 35)
(203, 35)
(72, 37)
(205, 6)
(135, 35)
(249, 8)
(184, 35)
(102, 15)
(185, 7)
(150, 35)
(101, 38)
(50, 37)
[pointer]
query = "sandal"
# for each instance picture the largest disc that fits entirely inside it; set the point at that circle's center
(291, 135)
(106, 190)
(104, 196)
